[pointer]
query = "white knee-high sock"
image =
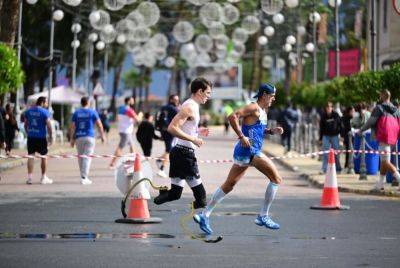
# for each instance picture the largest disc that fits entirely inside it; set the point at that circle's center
(270, 193)
(216, 198)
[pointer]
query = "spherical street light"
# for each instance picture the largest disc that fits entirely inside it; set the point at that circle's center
(262, 40)
(76, 28)
(75, 44)
(278, 18)
(269, 31)
(292, 3)
(310, 47)
(121, 39)
(58, 15)
(170, 62)
(287, 47)
(301, 30)
(94, 16)
(291, 40)
(315, 17)
(31, 2)
(93, 37)
(332, 2)
(100, 45)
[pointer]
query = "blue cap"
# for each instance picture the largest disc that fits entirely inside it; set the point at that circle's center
(265, 88)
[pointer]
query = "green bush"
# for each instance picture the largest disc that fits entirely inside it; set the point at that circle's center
(360, 87)
(11, 74)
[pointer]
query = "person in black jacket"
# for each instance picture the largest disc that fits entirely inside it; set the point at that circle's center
(2, 132)
(345, 129)
(288, 119)
(145, 134)
(329, 129)
(11, 126)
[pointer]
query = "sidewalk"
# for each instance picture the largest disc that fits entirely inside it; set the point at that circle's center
(309, 169)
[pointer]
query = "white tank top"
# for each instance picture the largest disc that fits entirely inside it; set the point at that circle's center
(190, 127)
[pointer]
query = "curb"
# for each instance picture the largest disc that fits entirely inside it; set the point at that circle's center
(21, 162)
(314, 182)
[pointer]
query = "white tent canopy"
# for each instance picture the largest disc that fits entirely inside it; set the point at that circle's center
(59, 95)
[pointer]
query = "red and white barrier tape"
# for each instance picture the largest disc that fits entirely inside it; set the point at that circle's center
(217, 161)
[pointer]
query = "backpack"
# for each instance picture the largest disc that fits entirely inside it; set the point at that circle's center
(388, 129)
(161, 123)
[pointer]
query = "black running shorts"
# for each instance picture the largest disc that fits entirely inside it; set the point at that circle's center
(183, 163)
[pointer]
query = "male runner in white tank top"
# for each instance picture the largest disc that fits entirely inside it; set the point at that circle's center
(183, 162)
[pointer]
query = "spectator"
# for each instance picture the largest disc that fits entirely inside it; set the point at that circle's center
(361, 115)
(164, 117)
(288, 119)
(146, 133)
(345, 129)
(2, 133)
(11, 126)
(384, 122)
(82, 133)
(329, 129)
(126, 118)
(37, 121)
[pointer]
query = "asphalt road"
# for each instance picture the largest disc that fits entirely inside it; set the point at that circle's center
(70, 225)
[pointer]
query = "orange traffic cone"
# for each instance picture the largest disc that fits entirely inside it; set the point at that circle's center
(138, 209)
(330, 195)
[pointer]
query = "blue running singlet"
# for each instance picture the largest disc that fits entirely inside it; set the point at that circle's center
(242, 156)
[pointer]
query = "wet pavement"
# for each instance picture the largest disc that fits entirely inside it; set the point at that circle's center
(70, 225)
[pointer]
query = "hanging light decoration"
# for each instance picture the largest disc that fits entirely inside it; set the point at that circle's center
(150, 13)
(114, 5)
(239, 35)
(271, 7)
(183, 31)
(230, 14)
(251, 24)
(203, 43)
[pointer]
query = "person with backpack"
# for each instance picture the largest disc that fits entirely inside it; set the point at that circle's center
(164, 117)
(385, 125)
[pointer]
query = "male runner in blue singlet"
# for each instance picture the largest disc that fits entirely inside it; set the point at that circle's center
(248, 152)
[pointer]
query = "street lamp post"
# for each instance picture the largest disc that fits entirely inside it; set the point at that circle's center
(92, 39)
(105, 67)
(19, 47)
(76, 28)
(335, 4)
(57, 15)
(315, 18)
(373, 35)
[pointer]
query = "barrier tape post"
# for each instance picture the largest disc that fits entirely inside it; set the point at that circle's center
(363, 167)
(350, 163)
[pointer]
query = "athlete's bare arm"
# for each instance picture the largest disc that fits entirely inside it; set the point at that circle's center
(249, 114)
(184, 114)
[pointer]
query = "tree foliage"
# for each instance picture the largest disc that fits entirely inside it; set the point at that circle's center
(11, 74)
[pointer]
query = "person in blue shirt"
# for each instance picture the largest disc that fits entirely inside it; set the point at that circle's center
(248, 152)
(82, 133)
(37, 125)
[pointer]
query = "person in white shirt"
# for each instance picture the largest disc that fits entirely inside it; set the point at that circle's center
(126, 118)
(183, 163)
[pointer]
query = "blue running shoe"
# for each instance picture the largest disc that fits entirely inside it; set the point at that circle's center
(267, 222)
(204, 223)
